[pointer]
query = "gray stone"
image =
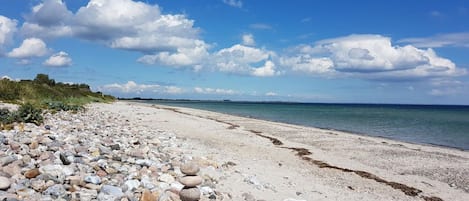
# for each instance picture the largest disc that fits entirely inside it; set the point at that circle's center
(132, 184)
(92, 179)
(55, 191)
(4, 183)
(189, 194)
(54, 172)
(166, 178)
(191, 181)
(190, 168)
(111, 190)
(7, 160)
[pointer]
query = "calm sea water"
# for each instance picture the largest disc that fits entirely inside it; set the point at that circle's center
(423, 124)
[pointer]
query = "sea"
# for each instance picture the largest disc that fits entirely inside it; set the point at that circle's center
(441, 125)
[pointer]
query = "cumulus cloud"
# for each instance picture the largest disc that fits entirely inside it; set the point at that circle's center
(51, 18)
(184, 56)
(441, 40)
(200, 90)
(234, 3)
(271, 94)
(248, 39)
(267, 70)
(7, 29)
(369, 56)
(60, 59)
(31, 47)
(132, 88)
(166, 39)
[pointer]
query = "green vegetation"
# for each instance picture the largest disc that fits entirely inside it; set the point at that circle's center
(44, 93)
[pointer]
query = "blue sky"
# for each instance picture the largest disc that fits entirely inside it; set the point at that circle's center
(308, 51)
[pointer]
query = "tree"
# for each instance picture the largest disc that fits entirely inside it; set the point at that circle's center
(44, 79)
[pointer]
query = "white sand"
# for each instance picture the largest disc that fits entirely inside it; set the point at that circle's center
(332, 172)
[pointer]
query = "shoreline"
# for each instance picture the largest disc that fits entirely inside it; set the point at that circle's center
(315, 127)
(325, 128)
(241, 158)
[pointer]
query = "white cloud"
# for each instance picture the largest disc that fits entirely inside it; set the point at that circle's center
(192, 56)
(7, 29)
(248, 39)
(60, 59)
(307, 63)
(31, 47)
(239, 58)
(441, 40)
(234, 3)
(200, 90)
(48, 19)
(165, 39)
(371, 57)
(132, 88)
(267, 70)
(271, 94)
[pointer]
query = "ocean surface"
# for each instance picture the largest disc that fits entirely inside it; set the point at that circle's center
(422, 124)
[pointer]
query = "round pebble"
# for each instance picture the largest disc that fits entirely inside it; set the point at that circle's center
(4, 183)
(33, 173)
(190, 168)
(191, 181)
(189, 194)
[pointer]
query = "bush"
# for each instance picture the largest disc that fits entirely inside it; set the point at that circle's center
(6, 117)
(61, 106)
(28, 113)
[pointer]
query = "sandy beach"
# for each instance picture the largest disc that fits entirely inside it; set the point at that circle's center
(250, 159)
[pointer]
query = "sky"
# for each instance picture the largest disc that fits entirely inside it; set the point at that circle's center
(362, 51)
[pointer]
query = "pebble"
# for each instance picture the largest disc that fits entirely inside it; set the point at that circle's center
(190, 169)
(96, 155)
(92, 179)
(189, 194)
(55, 191)
(148, 196)
(4, 183)
(111, 190)
(166, 178)
(33, 173)
(4, 161)
(191, 181)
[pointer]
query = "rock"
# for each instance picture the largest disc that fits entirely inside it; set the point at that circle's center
(54, 171)
(132, 184)
(191, 181)
(64, 159)
(291, 199)
(55, 191)
(189, 194)
(4, 183)
(38, 185)
(27, 193)
(33, 173)
(190, 168)
(92, 179)
(74, 180)
(148, 196)
(7, 160)
(166, 178)
(112, 190)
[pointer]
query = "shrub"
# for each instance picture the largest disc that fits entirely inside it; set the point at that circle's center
(28, 113)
